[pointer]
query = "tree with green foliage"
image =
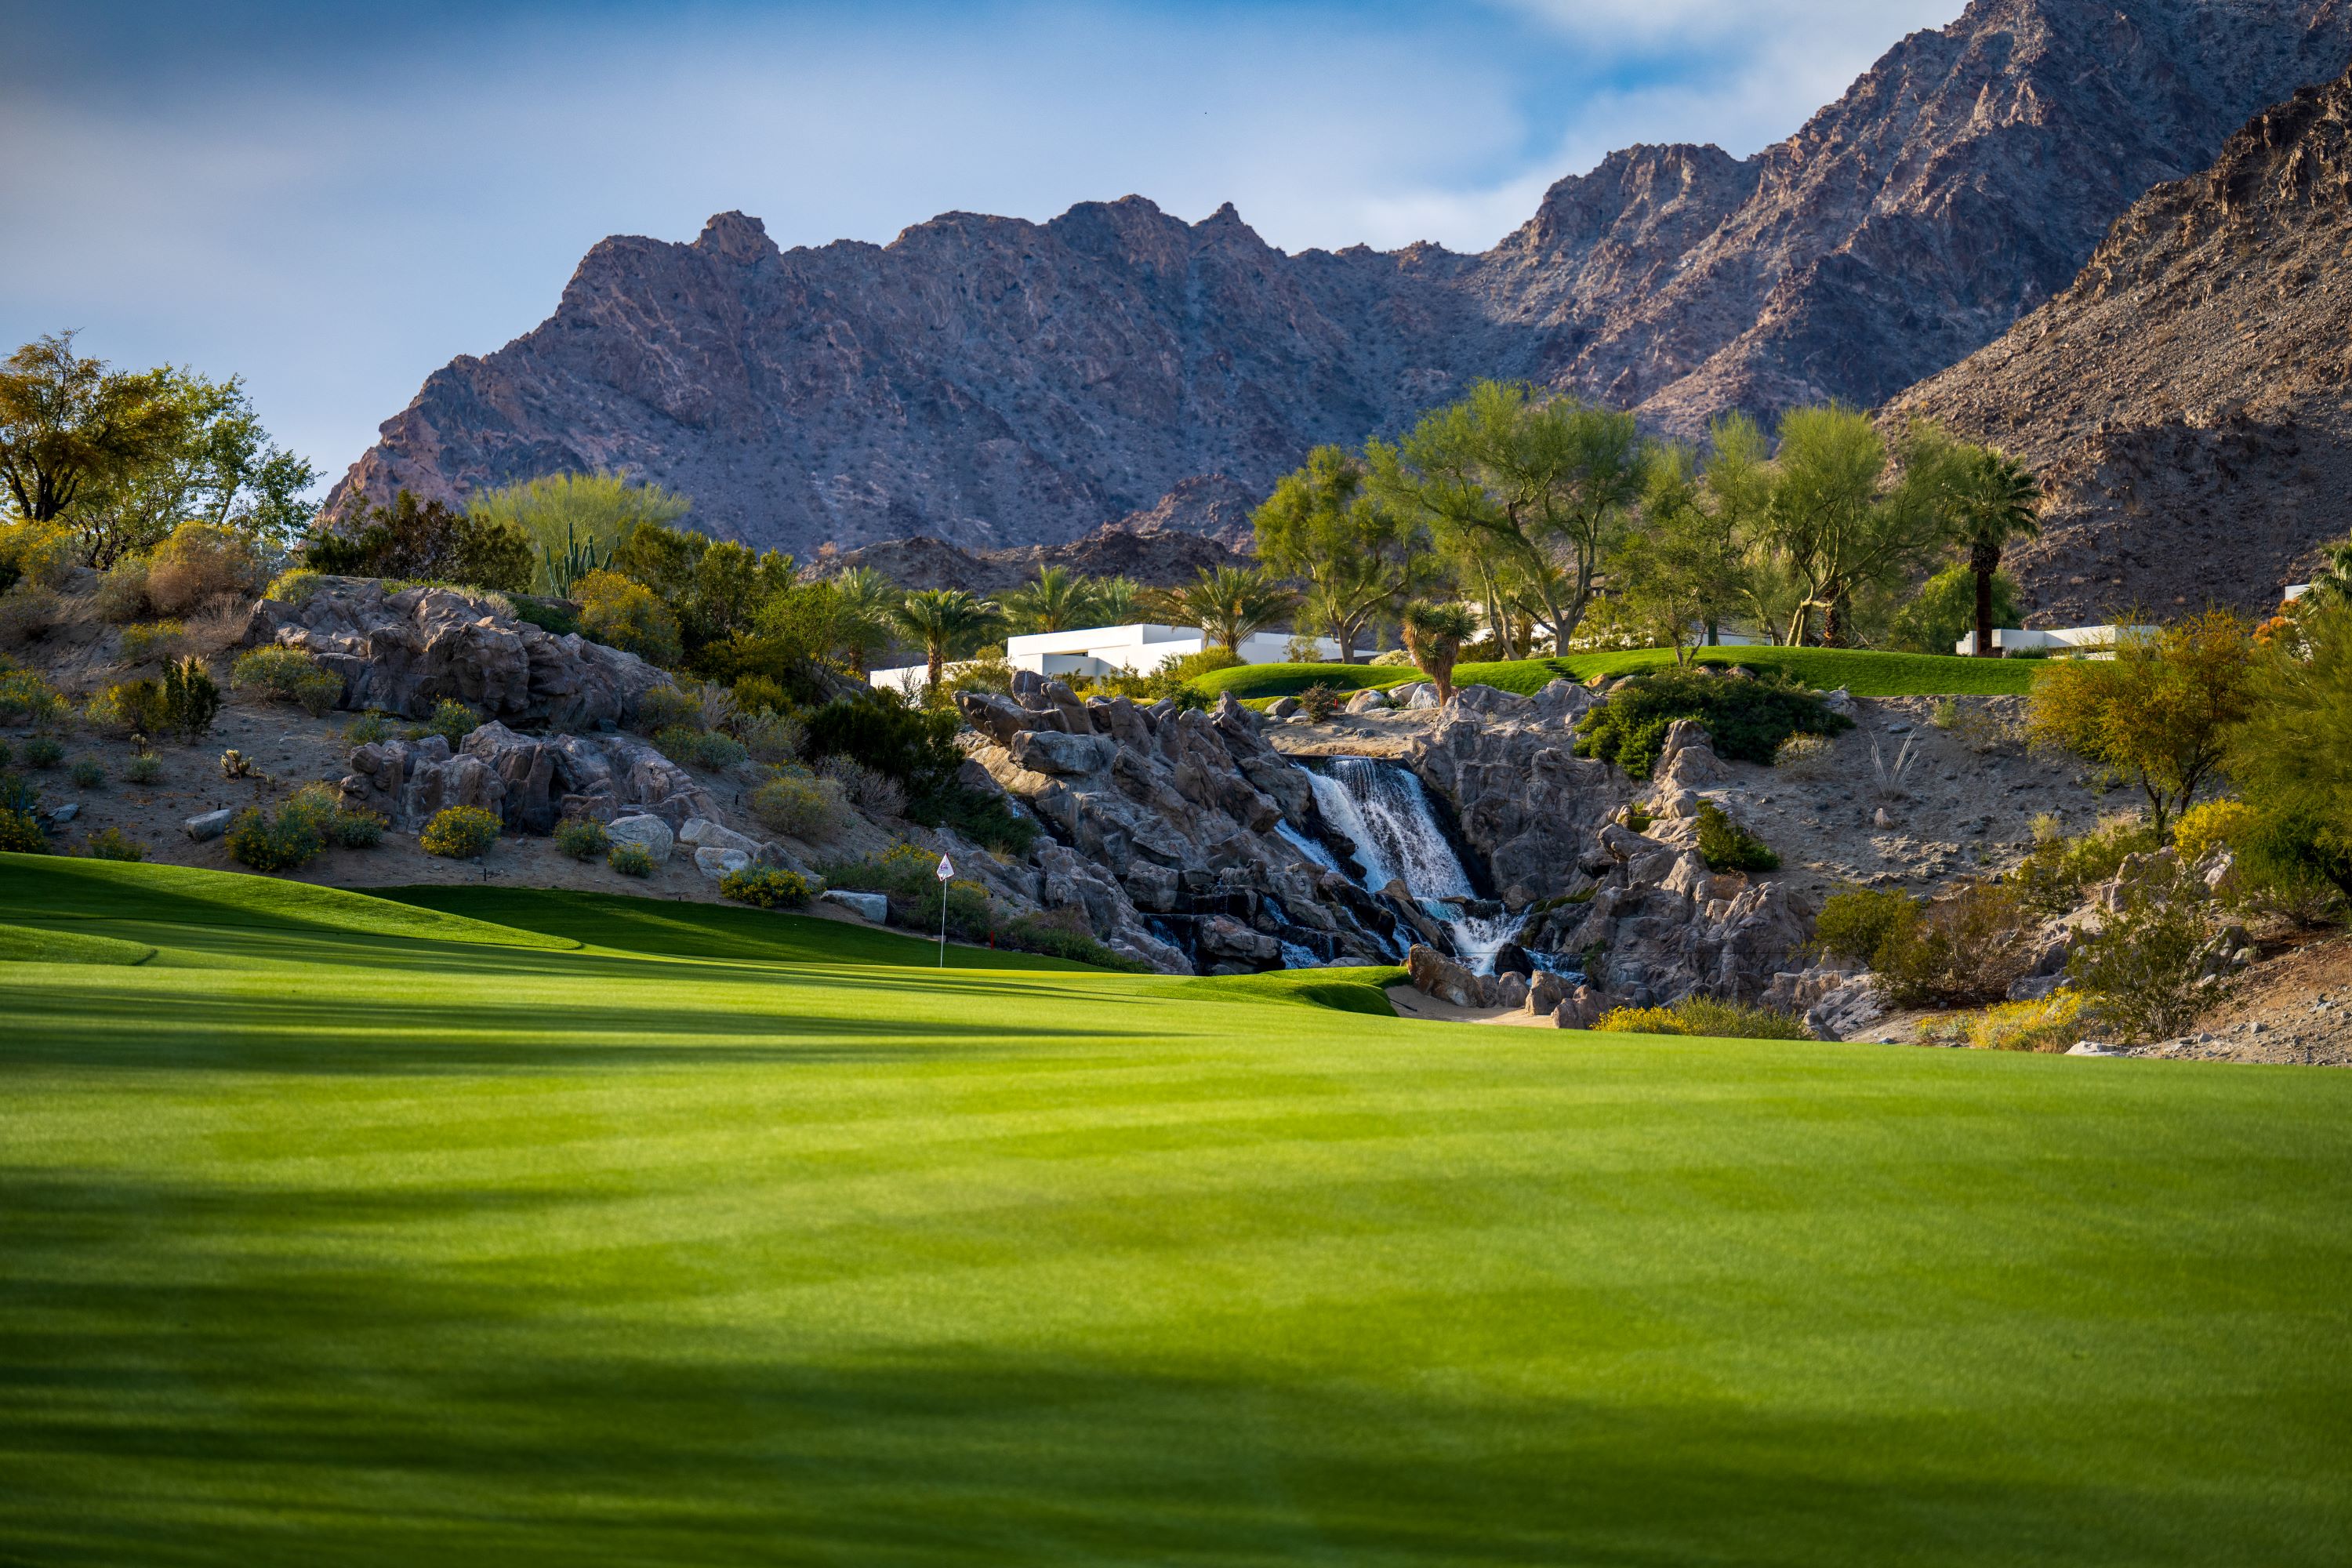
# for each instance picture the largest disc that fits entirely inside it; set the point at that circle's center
(1989, 497)
(1945, 608)
(2161, 714)
(1534, 487)
(1056, 600)
(1434, 635)
(1118, 600)
(715, 588)
(2331, 586)
(575, 520)
(223, 469)
(2291, 753)
(1682, 570)
(1356, 553)
(69, 427)
(422, 540)
(1840, 527)
(1228, 604)
(945, 623)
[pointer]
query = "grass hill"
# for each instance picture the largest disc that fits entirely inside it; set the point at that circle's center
(1862, 672)
(528, 1228)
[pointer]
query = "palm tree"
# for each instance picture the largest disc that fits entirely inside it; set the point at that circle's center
(947, 622)
(2331, 584)
(1059, 600)
(1434, 635)
(1117, 600)
(1228, 604)
(1993, 499)
(869, 605)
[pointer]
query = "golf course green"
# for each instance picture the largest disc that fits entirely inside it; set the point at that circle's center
(491, 1226)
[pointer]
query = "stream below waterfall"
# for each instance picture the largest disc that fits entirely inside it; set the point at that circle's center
(1383, 811)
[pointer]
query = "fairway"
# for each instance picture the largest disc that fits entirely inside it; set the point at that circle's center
(507, 1228)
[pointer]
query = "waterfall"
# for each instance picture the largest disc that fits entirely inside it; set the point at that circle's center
(1384, 813)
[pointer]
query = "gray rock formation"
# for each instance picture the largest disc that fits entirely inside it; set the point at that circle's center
(1523, 799)
(1165, 825)
(530, 782)
(995, 382)
(403, 650)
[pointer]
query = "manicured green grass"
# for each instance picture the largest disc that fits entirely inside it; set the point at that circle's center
(321, 1242)
(1860, 672)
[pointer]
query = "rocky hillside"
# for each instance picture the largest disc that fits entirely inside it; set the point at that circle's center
(2190, 396)
(995, 382)
(1114, 550)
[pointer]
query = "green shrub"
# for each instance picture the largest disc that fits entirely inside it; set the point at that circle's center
(2052, 1023)
(1747, 719)
(1319, 702)
(25, 698)
(1959, 952)
(666, 706)
(631, 859)
(1706, 1016)
(768, 886)
(797, 803)
(984, 816)
(759, 694)
(2143, 971)
(914, 745)
(1855, 921)
(367, 729)
(1726, 846)
(711, 750)
(2052, 878)
(89, 772)
(113, 844)
(192, 699)
(131, 707)
(1062, 934)
(158, 639)
(582, 837)
(289, 675)
(319, 807)
(146, 768)
(906, 874)
(556, 617)
(460, 833)
(43, 752)
(771, 737)
(21, 832)
(2293, 862)
(627, 616)
(453, 721)
(261, 844)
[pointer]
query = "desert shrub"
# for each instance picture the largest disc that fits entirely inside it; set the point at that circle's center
(368, 728)
(2198, 831)
(289, 675)
(2056, 872)
(25, 698)
(1747, 719)
(39, 554)
(631, 859)
(2052, 1023)
(453, 721)
(122, 593)
(146, 768)
(258, 843)
(131, 707)
(767, 887)
(1706, 1016)
(864, 787)
(460, 833)
(797, 803)
(984, 816)
(43, 752)
(1063, 934)
(191, 699)
(759, 694)
(558, 617)
(1854, 922)
(1959, 952)
(293, 586)
(665, 707)
(582, 837)
(88, 773)
(113, 844)
(906, 874)
(355, 827)
(156, 639)
(771, 736)
(2293, 862)
(21, 832)
(28, 614)
(626, 614)
(201, 561)
(319, 807)
(986, 671)
(713, 750)
(2144, 970)
(1319, 702)
(913, 745)
(423, 541)
(1726, 846)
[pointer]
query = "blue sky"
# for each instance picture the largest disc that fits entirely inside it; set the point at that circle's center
(333, 199)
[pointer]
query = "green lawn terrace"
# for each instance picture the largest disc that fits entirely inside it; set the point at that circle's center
(1862, 672)
(499, 1225)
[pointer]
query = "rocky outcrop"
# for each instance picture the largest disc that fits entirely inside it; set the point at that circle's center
(994, 383)
(1522, 798)
(402, 650)
(2188, 400)
(1167, 825)
(530, 782)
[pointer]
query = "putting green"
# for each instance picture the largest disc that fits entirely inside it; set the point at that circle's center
(363, 1241)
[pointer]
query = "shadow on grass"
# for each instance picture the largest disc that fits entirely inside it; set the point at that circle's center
(240, 1375)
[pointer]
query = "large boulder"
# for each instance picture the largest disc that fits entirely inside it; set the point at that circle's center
(1058, 751)
(1446, 979)
(402, 650)
(526, 772)
(646, 829)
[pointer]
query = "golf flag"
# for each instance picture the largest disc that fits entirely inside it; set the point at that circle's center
(947, 868)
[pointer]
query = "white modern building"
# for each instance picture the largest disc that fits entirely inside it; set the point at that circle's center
(2011, 639)
(1117, 650)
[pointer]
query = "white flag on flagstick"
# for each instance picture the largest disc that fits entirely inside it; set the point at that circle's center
(946, 868)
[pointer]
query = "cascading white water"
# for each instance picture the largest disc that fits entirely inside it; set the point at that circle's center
(1384, 813)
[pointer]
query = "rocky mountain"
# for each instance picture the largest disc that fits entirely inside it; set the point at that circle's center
(993, 382)
(1153, 560)
(2189, 398)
